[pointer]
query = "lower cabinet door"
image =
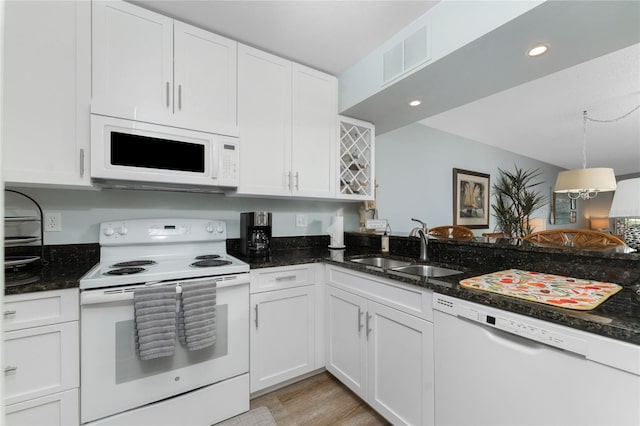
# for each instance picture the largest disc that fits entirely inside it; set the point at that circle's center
(40, 361)
(52, 410)
(282, 335)
(346, 356)
(400, 356)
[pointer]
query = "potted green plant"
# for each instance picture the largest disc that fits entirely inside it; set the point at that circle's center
(516, 198)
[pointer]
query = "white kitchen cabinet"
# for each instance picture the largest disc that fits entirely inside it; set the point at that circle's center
(47, 92)
(148, 67)
(379, 350)
(285, 332)
(287, 117)
(346, 342)
(41, 389)
(205, 80)
(314, 120)
(264, 118)
(59, 409)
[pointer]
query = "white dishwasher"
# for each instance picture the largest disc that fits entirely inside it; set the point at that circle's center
(499, 368)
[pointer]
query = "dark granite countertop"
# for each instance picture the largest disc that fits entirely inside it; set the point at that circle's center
(64, 266)
(54, 276)
(618, 317)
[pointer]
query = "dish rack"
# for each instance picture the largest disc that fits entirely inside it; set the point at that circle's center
(15, 262)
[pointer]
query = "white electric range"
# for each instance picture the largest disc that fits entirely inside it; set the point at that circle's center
(198, 387)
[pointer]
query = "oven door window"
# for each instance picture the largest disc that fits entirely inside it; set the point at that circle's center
(130, 367)
(155, 153)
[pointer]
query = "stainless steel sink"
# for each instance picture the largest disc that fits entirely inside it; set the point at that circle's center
(426, 270)
(381, 262)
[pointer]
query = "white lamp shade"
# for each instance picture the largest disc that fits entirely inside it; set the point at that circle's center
(586, 180)
(626, 200)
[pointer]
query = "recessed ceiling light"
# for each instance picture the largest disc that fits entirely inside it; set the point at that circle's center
(538, 50)
(415, 103)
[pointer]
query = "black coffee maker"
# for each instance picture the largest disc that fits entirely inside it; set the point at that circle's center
(255, 234)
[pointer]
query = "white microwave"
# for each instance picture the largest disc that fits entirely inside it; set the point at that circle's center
(131, 154)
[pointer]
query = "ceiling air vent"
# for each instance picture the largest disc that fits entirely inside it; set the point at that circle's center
(411, 52)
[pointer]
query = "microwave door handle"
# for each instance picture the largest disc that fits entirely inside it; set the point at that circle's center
(217, 158)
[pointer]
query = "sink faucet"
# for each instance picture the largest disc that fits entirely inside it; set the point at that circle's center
(422, 233)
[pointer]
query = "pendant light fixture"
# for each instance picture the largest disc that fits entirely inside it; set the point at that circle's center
(586, 182)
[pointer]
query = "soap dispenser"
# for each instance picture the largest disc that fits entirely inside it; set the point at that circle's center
(385, 240)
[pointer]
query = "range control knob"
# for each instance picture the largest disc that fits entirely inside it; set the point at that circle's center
(123, 230)
(109, 231)
(220, 229)
(210, 227)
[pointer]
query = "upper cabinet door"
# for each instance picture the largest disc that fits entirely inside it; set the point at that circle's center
(264, 116)
(132, 62)
(47, 91)
(315, 111)
(205, 80)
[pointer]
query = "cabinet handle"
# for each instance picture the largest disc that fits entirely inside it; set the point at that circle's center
(289, 179)
(368, 329)
(81, 162)
(286, 278)
(10, 369)
(9, 313)
(256, 315)
(180, 96)
(359, 319)
(167, 94)
(297, 181)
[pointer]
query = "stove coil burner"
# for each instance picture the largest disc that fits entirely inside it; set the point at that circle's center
(125, 271)
(210, 262)
(208, 257)
(134, 263)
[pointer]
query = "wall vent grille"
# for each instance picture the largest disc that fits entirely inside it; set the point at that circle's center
(406, 55)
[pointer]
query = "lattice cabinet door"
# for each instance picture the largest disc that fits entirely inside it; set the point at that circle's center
(356, 159)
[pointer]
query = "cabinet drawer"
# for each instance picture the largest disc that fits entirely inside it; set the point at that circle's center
(40, 361)
(281, 277)
(60, 409)
(413, 300)
(40, 308)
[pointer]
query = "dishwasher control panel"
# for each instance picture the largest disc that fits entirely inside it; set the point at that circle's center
(530, 329)
(526, 329)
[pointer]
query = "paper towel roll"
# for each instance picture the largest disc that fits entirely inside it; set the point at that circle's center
(336, 232)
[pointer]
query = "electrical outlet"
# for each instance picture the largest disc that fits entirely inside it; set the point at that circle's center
(52, 221)
(301, 221)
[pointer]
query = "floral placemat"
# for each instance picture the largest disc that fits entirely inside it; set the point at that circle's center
(556, 290)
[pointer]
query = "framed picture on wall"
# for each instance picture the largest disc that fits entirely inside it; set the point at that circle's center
(470, 199)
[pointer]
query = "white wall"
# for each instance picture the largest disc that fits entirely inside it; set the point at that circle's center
(415, 177)
(82, 211)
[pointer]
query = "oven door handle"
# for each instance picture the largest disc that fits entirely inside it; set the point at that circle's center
(94, 297)
(98, 297)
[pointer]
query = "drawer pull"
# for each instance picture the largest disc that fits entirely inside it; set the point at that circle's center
(286, 278)
(9, 313)
(10, 369)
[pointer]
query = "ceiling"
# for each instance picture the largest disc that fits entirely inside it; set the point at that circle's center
(543, 119)
(488, 90)
(326, 35)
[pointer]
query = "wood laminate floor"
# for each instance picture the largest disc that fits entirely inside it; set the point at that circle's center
(318, 400)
